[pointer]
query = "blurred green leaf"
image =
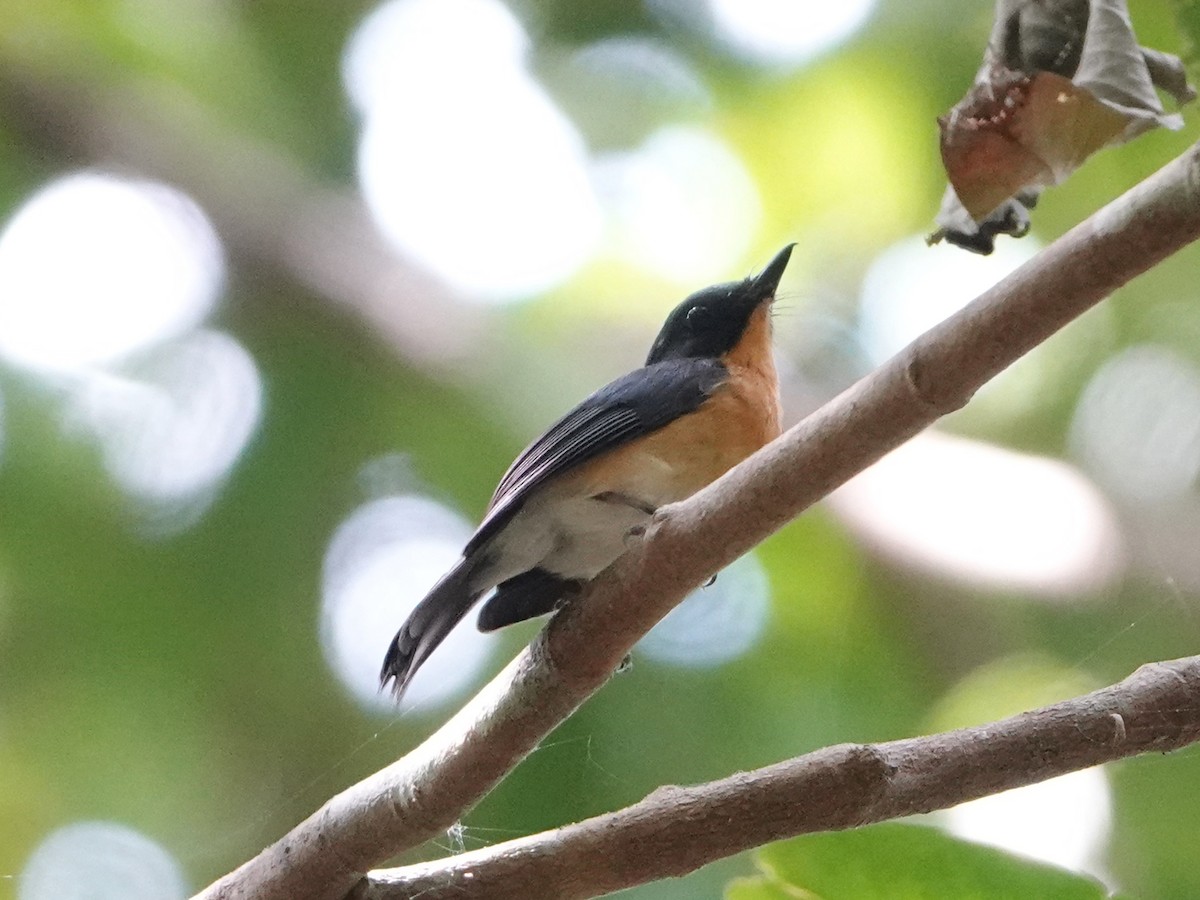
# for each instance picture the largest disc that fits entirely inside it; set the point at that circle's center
(1188, 13)
(903, 862)
(761, 888)
(1005, 687)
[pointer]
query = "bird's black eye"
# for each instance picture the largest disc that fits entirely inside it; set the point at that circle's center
(697, 317)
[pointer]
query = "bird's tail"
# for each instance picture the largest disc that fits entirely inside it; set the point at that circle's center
(427, 626)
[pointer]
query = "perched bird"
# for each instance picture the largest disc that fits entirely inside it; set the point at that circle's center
(707, 398)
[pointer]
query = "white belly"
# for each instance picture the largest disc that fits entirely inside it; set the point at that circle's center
(572, 536)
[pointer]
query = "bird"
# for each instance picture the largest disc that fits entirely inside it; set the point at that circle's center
(706, 398)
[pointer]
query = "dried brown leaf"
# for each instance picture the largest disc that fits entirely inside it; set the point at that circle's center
(1060, 80)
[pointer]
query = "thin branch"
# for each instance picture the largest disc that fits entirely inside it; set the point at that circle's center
(428, 790)
(676, 830)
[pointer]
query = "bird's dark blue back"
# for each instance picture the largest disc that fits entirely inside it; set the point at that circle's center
(630, 407)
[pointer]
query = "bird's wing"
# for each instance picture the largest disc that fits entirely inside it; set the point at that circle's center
(634, 405)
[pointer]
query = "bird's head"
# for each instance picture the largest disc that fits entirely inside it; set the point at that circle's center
(711, 322)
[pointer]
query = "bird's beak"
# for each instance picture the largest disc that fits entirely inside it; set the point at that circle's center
(766, 281)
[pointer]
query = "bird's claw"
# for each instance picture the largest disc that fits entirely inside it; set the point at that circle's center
(634, 534)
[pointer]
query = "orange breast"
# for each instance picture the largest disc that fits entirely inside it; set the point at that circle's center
(696, 449)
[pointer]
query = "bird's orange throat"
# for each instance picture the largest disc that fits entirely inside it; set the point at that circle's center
(753, 350)
(752, 363)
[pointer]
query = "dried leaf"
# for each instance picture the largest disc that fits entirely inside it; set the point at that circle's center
(1114, 68)
(1169, 74)
(1020, 132)
(959, 229)
(1036, 36)
(982, 153)
(1060, 80)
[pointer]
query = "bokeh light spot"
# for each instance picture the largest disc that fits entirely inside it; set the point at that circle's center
(173, 429)
(470, 169)
(662, 223)
(93, 267)
(985, 515)
(620, 89)
(785, 31)
(771, 32)
(1064, 821)
(911, 287)
(1137, 426)
(100, 861)
(397, 43)
(715, 624)
(381, 562)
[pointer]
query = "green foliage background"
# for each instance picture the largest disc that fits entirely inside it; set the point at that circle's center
(177, 685)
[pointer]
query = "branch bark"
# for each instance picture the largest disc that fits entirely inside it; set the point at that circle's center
(429, 789)
(676, 830)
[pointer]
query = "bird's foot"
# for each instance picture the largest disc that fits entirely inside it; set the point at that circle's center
(629, 500)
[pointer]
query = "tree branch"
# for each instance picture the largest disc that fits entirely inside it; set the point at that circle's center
(676, 830)
(428, 790)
